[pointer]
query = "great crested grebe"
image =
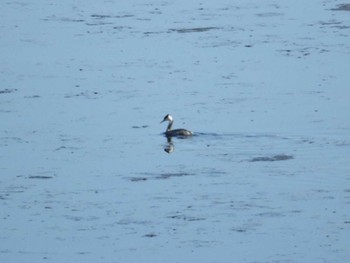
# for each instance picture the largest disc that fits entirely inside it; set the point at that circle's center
(177, 132)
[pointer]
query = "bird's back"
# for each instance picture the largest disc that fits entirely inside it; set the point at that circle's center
(178, 132)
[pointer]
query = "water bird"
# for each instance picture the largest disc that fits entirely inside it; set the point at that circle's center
(177, 132)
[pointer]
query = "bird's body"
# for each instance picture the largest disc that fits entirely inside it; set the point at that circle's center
(177, 132)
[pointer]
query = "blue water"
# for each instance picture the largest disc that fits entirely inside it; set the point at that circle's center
(87, 174)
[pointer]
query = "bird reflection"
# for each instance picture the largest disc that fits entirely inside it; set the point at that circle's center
(169, 147)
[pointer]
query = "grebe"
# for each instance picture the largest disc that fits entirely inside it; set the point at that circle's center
(173, 133)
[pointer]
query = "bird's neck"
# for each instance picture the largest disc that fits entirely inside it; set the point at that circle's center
(169, 125)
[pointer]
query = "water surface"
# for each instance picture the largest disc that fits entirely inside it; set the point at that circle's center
(87, 175)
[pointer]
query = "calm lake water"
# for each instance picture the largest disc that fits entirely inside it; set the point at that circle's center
(87, 175)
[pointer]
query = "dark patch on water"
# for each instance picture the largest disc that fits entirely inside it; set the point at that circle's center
(5, 141)
(342, 7)
(8, 191)
(206, 134)
(63, 19)
(170, 175)
(332, 23)
(270, 214)
(71, 149)
(150, 235)
(191, 30)
(139, 127)
(269, 14)
(40, 177)
(301, 52)
(158, 176)
(7, 91)
(239, 230)
(186, 218)
(122, 27)
(85, 94)
(32, 97)
(279, 157)
(99, 24)
(100, 19)
(138, 179)
(342, 143)
(98, 16)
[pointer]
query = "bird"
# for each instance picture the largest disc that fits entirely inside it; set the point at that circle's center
(177, 132)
